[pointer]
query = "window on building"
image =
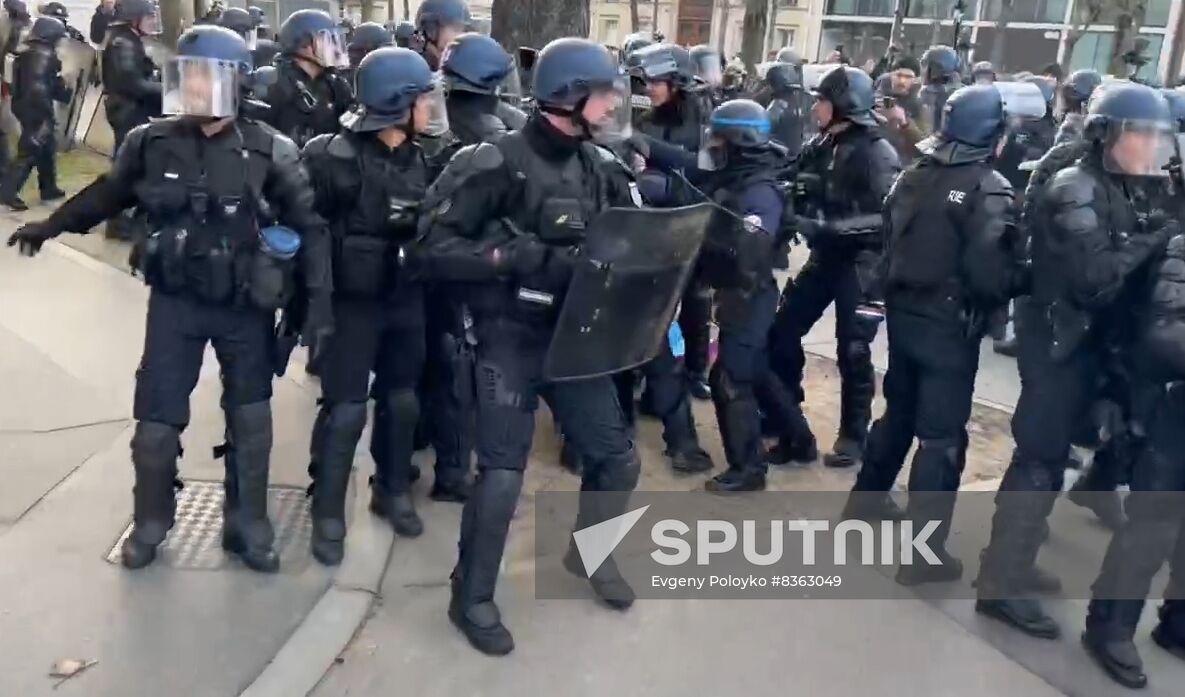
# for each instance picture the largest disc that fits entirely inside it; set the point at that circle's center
(1024, 49)
(609, 30)
(1050, 11)
(937, 9)
(861, 42)
(788, 3)
(1093, 50)
(783, 37)
(873, 8)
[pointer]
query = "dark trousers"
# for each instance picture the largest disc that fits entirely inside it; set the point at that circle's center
(666, 394)
(384, 337)
(928, 390)
(509, 365)
(1054, 397)
(1155, 523)
(32, 154)
(695, 321)
(826, 279)
(448, 387)
(743, 360)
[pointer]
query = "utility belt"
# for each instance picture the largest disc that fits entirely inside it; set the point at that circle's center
(216, 271)
(943, 303)
(365, 267)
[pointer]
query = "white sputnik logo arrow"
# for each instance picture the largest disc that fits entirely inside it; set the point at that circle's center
(596, 542)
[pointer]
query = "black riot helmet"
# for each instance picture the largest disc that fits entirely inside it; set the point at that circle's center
(1131, 124)
(367, 37)
(474, 62)
(789, 55)
(54, 9)
(784, 78)
(706, 64)
(388, 84)
(314, 30)
(851, 94)
(974, 116)
(1078, 88)
(403, 32)
(940, 64)
(47, 29)
(258, 16)
(662, 62)
(17, 8)
(983, 72)
(132, 11)
(347, 27)
(240, 22)
(633, 42)
(569, 73)
(435, 16)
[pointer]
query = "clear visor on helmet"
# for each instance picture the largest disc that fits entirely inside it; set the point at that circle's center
(607, 111)
(430, 117)
(200, 87)
(711, 151)
(1022, 100)
(151, 25)
(512, 85)
(812, 74)
(252, 39)
(329, 48)
(709, 69)
(1138, 148)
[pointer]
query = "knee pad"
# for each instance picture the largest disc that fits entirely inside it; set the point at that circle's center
(155, 446)
(402, 406)
(499, 483)
(345, 420)
(857, 353)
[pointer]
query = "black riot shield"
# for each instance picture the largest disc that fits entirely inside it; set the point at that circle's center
(624, 291)
(79, 61)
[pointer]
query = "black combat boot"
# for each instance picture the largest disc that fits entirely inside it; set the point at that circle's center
(1024, 614)
(788, 451)
(396, 413)
(604, 494)
(335, 438)
(155, 448)
(246, 530)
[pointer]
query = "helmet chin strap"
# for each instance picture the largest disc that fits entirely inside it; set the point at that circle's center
(575, 115)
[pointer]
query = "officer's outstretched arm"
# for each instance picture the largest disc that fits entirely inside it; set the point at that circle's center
(108, 195)
(989, 244)
(289, 190)
(1098, 264)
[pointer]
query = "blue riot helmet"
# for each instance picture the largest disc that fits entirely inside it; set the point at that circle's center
(403, 32)
(706, 65)
(441, 21)
(395, 87)
(578, 79)
(141, 15)
(735, 128)
(240, 22)
(367, 37)
(851, 93)
(1131, 126)
(47, 29)
(662, 63)
(1074, 94)
(258, 16)
(475, 63)
(940, 64)
(784, 78)
(206, 75)
(313, 34)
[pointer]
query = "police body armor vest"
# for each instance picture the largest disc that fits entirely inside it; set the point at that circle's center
(736, 254)
(203, 204)
(368, 241)
(925, 249)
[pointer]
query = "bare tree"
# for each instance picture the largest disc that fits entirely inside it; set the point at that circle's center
(1130, 16)
(654, 19)
(536, 22)
(1007, 12)
(753, 33)
(725, 11)
(407, 9)
(1086, 13)
(633, 15)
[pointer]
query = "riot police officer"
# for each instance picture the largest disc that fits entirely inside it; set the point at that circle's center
(309, 96)
(369, 179)
(708, 68)
(215, 277)
(404, 33)
(983, 73)
(259, 21)
(844, 174)
(129, 76)
(367, 37)
(474, 69)
(743, 164)
(951, 256)
(37, 85)
(635, 42)
(1073, 98)
(18, 21)
(438, 22)
(787, 110)
(1094, 234)
(242, 23)
(678, 112)
(516, 279)
(264, 55)
(940, 78)
(58, 11)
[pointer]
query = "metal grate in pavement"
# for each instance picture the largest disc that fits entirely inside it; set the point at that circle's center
(195, 542)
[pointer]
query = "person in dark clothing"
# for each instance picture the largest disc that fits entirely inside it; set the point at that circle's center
(897, 102)
(788, 109)
(103, 16)
(438, 22)
(265, 53)
(242, 23)
(38, 84)
(367, 37)
(369, 179)
(678, 112)
(58, 11)
(215, 277)
(18, 21)
(309, 96)
(544, 183)
(1095, 234)
(259, 20)
(951, 258)
(941, 76)
(844, 174)
(129, 76)
(1073, 99)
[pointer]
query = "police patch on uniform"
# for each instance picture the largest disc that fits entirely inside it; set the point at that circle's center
(753, 223)
(635, 194)
(444, 207)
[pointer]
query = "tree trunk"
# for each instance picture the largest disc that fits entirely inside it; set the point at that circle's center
(722, 37)
(771, 30)
(634, 15)
(534, 23)
(654, 17)
(1127, 30)
(753, 33)
(1086, 13)
(367, 10)
(1007, 8)
(175, 17)
(407, 10)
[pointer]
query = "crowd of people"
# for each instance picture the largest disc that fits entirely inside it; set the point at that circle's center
(418, 222)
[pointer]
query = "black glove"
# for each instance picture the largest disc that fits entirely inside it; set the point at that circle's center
(557, 270)
(318, 323)
(522, 256)
(31, 236)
